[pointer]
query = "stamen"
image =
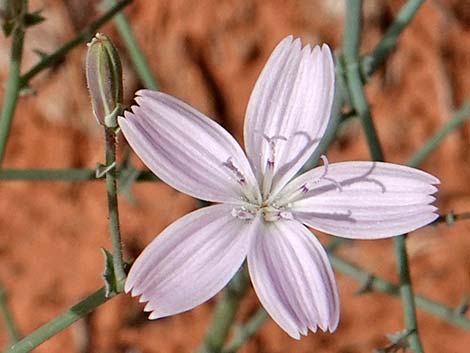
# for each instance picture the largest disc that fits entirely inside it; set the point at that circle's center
(238, 174)
(325, 165)
(276, 215)
(269, 172)
(272, 148)
(309, 185)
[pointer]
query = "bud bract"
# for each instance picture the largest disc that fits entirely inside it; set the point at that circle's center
(104, 80)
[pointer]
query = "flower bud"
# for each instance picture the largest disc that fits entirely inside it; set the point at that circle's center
(104, 80)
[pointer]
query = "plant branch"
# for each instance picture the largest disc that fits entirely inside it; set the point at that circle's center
(459, 117)
(61, 322)
(65, 175)
(111, 190)
(371, 62)
(138, 59)
(359, 101)
(224, 313)
(13, 84)
(381, 285)
(12, 330)
(84, 36)
(244, 333)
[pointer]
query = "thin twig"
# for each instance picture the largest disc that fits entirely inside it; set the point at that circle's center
(138, 59)
(244, 333)
(113, 211)
(371, 62)
(61, 322)
(459, 117)
(5, 312)
(359, 101)
(224, 313)
(65, 175)
(13, 84)
(84, 36)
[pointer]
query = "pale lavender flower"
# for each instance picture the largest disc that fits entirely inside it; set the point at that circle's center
(261, 215)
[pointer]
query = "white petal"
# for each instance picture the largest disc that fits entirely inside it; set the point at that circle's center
(364, 200)
(186, 149)
(291, 100)
(293, 278)
(191, 260)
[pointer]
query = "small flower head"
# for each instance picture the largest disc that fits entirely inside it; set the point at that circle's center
(264, 208)
(104, 79)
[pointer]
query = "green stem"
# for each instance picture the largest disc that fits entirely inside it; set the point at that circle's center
(64, 175)
(371, 62)
(13, 84)
(359, 101)
(244, 333)
(84, 36)
(13, 333)
(381, 285)
(459, 117)
(61, 322)
(111, 190)
(224, 313)
(138, 59)
(351, 44)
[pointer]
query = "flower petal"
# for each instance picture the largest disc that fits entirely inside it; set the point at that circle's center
(191, 260)
(293, 278)
(186, 149)
(290, 104)
(364, 200)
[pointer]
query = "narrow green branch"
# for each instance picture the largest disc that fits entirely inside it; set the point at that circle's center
(65, 175)
(351, 43)
(381, 285)
(359, 101)
(244, 333)
(61, 322)
(138, 59)
(13, 84)
(371, 62)
(111, 190)
(459, 117)
(83, 37)
(12, 330)
(224, 313)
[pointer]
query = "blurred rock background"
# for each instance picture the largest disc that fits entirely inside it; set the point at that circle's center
(209, 53)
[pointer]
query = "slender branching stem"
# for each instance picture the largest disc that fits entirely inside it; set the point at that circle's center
(13, 84)
(111, 190)
(74, 175)
(84, 36)
(13, 333)
(224, 313)
(371, 62)
(61, 322)
(138, 58)
(359, 101)
(458, 118)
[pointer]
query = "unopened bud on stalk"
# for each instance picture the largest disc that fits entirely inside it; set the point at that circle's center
(104, 80)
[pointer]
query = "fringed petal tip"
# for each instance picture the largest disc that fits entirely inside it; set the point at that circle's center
(290, 105)
(366, 200)
(293, 279)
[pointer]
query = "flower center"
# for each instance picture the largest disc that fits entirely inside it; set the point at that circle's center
(270, 213)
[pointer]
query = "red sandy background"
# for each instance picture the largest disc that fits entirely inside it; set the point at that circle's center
(209, 53)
